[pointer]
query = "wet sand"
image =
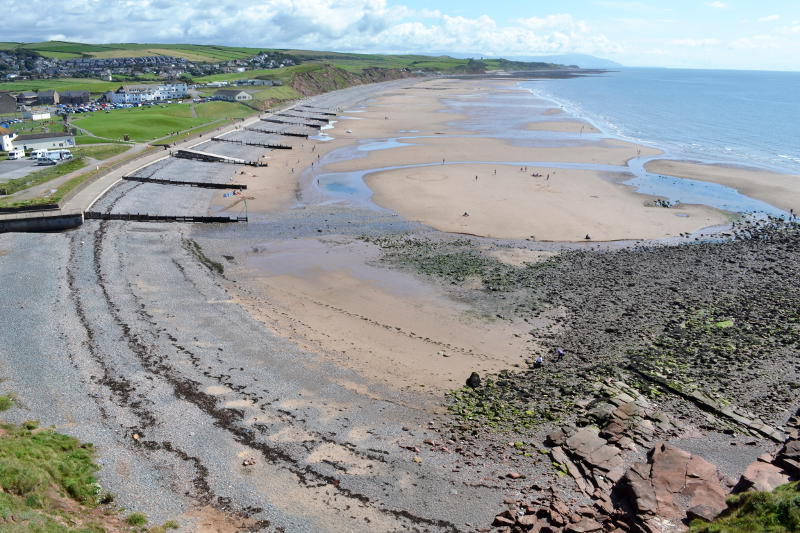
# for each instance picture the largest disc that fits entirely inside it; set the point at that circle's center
(387, 325)
(567, 126)
(780, 190)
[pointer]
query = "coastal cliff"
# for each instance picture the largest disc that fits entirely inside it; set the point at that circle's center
(329, 78)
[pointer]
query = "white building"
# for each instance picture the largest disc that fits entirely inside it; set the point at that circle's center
(6, 138)
(35, 116)
(137, 94)
(44, 141)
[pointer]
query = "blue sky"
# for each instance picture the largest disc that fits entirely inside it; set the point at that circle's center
(681, 33)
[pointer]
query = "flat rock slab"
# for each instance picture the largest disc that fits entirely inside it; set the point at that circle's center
(761, 476)
(673, 481)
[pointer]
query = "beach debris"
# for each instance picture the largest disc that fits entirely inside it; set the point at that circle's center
(588, 238)
(474, 380)
(249, 462)
(465, 214)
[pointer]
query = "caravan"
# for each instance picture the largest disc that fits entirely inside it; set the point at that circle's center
(58, 154)
(16, 153)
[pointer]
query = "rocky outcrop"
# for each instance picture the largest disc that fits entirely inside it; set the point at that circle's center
(617, 422)
(673, 481)
(661, 495)
(769, 472)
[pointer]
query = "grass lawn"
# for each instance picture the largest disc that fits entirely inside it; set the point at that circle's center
(40, 176)
(147, 123)
(101, 152)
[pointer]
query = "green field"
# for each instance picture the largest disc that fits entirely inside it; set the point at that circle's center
(148, 123)
(96, 87)
(190, 52)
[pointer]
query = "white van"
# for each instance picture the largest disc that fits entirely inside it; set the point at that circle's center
(16, 153)
(36, 154)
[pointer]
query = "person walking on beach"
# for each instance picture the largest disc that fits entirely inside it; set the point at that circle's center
(560, 354)
(538, 362)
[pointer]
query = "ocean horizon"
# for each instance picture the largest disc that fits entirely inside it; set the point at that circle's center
(734, 117)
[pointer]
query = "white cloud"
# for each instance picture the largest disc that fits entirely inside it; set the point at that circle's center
(717, 5)
(347, 25)
(695, 43)
(769, 18)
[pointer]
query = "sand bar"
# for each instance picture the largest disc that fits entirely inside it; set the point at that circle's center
(513, 204)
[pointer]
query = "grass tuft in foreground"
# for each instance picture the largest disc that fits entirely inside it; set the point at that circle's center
(766, 512)
(48, 485)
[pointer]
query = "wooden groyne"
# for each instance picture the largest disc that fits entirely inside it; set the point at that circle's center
(318, 111)
(200, 184)
(144, 217)
(297, 114)
(214, 158)
(264, 145)
(276, 132)
(292, 122)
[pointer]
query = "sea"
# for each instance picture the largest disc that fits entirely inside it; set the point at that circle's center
(749, 118)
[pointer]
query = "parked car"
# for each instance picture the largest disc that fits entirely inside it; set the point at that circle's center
(45, 161)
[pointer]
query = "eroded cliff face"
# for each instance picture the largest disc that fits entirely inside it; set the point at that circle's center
(329, 78)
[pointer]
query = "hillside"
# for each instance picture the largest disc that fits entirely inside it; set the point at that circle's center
(216, 53)
(190, 52)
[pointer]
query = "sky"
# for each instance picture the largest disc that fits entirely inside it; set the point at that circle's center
(737, 34)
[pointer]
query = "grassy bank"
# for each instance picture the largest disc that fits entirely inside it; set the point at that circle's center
(68, 186)
(49, 486)
(768, 512)
(101, 152)
(41, 176)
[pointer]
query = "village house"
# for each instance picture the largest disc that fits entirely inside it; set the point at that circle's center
(75, 97)
(45, 141)
(47, 97)
(27, 98)
(233, 95)
(8, 104)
